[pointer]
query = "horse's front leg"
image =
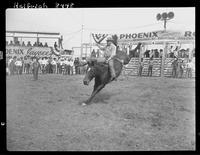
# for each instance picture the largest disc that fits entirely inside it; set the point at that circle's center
(97, 88)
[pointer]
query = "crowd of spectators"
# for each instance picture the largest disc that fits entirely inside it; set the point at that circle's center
(62, 65)
(179, 67)
(171, 53)
(17, 43)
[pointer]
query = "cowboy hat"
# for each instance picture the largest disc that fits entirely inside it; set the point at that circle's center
(109, 39)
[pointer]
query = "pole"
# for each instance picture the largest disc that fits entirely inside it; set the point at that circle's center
(163, 59)
(90, 42)
(81, 41)
(165, 21)
(37, 39)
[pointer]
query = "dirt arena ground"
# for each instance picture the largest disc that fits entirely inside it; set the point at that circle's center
(131, 114)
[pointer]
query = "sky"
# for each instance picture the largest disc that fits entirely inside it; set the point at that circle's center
(69, 21)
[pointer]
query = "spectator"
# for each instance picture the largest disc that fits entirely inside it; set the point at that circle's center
(71, 63)
(18, 64)
(36, 67)
(174, 68)
(76, 64)
(180, 69)
(171, 54)
(14, 66)
(147, 53)
(150, 67)
(7, 68)
(62, 63)
(53, 64)
(58, 66)
(11, 66)
(137, 53)
(193, 52)
(35, 44)
(45, 45)
(176, 51)
(25, 65)
(141, 64)
(17, 43)
(29, 44)
(189, 69)
(67, 66)
(11, 43)
(31, 65)
(49, 66)
(43, 65)
(151, 53)
(161, 53)
(23, 44)
(156, 53)
(41, 45)
(22, 67)
(55, 44)
(40, 62)
(186, 55)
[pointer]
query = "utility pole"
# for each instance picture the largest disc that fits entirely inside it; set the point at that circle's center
(90, 42)
(81, 40)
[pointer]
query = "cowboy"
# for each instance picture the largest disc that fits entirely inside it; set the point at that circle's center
(174, 67)
(36, 66)
(141, 65)
(150, 67)
(18, 65)
(109, 53)
(189, 66)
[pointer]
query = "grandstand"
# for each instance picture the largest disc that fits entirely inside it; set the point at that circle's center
(39, 39)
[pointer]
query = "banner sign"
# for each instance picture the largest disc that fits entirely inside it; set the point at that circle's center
(21, 51)
(145, 36)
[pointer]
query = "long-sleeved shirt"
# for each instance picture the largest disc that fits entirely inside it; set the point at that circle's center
(109, 51)
(18, 63)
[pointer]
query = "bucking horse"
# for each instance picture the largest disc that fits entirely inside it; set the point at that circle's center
(101, 73)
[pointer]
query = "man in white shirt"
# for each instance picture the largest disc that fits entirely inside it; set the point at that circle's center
(42, 63)
(71, 64)
(189, 67)
(53, 63)
(18, 65)
(67, 66)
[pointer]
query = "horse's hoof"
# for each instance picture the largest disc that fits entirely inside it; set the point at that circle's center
(83, 104)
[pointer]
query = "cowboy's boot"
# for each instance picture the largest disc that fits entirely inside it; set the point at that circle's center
(112, 70)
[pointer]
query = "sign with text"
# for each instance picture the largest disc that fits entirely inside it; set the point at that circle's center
(145, 36)
(21, 51)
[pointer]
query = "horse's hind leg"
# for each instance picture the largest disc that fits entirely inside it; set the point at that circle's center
(95, 91)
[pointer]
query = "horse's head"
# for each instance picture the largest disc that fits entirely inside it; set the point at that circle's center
(90, 74)
(132, 52)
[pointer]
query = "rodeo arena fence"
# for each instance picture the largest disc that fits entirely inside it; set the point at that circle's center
(155, 57)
